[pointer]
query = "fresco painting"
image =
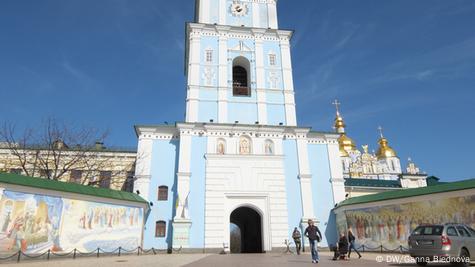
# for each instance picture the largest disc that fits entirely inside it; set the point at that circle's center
(35, 223)
(391, 225)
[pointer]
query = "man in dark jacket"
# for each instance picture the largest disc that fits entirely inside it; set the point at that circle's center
(313, 234)
(351, 238)
(298, 243)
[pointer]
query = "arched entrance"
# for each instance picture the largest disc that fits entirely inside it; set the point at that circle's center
(245, 231)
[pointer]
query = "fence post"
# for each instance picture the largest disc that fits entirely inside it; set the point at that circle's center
(381, 248)
(74, 254)
(153, 250)
(400, 248)
(138, 251)
(119, 250)
(363, 248)
(49, 252)
(19, 256)
(98, 252)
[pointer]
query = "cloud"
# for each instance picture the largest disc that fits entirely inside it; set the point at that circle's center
(84, 81)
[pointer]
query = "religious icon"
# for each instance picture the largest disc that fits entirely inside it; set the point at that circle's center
(244, 146)
(269, 148)
(221, 147)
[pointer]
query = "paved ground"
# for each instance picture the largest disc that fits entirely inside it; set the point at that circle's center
(233, 260)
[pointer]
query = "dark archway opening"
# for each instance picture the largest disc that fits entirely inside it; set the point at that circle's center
(246, 231)
(240, 78)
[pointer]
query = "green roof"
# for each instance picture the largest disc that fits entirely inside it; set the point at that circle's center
(412, 192)
(16, 179)
(372, 183)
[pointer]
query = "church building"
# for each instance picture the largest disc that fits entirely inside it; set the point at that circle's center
(238, 173)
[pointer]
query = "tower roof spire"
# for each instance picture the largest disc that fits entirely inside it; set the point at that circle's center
(339, 123)
(346, 143)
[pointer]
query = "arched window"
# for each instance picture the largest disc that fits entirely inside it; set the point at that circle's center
(160, 228)
(245, 145)
(163, 192)
(269, 147)
(221, 147)
(241, 84)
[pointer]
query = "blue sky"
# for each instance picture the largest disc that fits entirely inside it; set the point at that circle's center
(408, 66)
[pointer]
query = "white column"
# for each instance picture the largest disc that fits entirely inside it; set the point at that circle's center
(193, 77)
(204, 12)
(183, 175)
(336, 171)
(182, 221)
(223, 9)
(143, 167)
(260, 78)
(288, 82)
(272, 15)
(255, 15)
(305, 178)
(222, 78)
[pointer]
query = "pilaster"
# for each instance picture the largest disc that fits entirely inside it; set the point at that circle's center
(193, 77)
(222, 77)
(305, 178)
(336, 172)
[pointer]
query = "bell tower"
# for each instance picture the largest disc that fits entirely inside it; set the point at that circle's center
(238, 65)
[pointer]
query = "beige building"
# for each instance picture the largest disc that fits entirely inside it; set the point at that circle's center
(97, 166)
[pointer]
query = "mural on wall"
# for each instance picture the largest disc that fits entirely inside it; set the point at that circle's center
(391, 225)
(35, 223)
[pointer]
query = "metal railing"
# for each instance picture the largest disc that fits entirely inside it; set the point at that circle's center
(75, 253)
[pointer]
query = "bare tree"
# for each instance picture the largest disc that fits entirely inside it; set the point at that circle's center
(55, 149)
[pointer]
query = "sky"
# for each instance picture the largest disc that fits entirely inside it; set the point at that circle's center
(408, 66)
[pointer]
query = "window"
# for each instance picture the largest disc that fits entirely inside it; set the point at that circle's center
(105, 179)
(75, 176)
(15, 171)
(163, 192)
(472, 232)
(451, 231)
(128, 185)
(160, 228)
(428, 230)
(241, 84)
(209, 56)
(392, 165)
(463, 231)
(240, 87)
(272, 59)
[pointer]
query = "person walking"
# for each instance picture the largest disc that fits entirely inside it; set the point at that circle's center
(298, 243)
(313, 234)
(351, 238)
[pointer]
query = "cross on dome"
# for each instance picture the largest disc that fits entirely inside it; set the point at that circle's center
(380, 129)
(337, 106)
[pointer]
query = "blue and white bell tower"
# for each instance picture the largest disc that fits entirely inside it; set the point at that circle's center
(239, 162)
(238, 65)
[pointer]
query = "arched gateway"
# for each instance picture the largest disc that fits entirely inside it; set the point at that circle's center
(245, 231)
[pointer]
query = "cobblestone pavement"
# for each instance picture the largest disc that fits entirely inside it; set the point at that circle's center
(233, 260)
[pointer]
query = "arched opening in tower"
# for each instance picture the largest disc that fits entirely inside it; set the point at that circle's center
(241, 77)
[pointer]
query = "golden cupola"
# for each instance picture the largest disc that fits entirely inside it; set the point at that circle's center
(346, 144)
(384, 151)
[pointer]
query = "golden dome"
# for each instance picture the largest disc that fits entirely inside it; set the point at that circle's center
(384, 150)
(346, 145)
